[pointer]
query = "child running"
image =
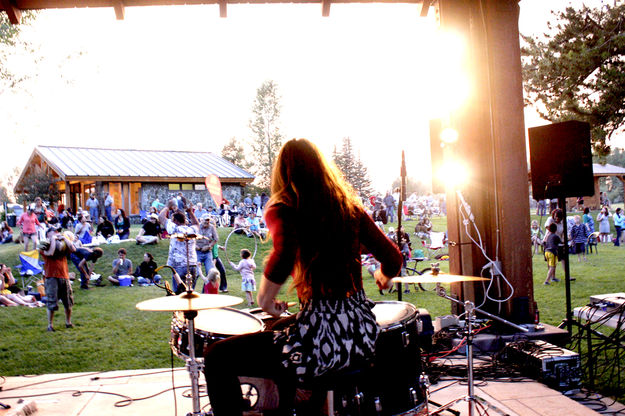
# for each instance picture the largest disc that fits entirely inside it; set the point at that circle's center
(246, 267)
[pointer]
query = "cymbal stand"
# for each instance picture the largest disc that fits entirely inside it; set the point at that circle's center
(193, 366)
(471, 398)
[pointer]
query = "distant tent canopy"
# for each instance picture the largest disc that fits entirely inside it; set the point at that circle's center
(134, 178)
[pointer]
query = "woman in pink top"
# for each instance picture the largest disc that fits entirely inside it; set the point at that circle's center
(28, 223)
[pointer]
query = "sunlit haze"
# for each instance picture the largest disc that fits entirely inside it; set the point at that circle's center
(181, 78)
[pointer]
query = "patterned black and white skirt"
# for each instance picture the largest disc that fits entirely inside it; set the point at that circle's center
(329, 335)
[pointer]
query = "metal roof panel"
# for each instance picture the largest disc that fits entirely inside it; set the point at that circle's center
(93, 162)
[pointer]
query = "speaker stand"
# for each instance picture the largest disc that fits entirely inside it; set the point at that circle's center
(568, 320)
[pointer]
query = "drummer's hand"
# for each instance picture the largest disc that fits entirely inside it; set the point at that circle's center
(381, 280)
(276, 308)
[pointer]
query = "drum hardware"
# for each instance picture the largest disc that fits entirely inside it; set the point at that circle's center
(470, 398)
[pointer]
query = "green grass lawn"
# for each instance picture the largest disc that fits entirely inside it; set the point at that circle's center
(110, 333)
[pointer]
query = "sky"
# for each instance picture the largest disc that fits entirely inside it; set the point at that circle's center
(182, 78)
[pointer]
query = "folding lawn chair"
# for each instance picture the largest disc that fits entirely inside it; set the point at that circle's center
(593, 238)
(436, 245)
(30, 267)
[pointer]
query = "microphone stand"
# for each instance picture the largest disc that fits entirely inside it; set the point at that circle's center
(471, 398)
(400, 211)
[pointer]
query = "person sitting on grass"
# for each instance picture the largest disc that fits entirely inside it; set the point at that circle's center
(122, 225)
(80, 258)
(6, 233)
(150, 232)
(10, 291)
(253, 223)
(105, 228)
(241, 225)
(552, 241)
(83, 229)
(145, 272)
(121, 268)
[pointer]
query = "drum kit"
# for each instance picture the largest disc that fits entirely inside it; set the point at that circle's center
(201, 319)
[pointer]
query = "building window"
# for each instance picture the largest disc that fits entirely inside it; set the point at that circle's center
(187, 186)
(174, 186)
(200, 187)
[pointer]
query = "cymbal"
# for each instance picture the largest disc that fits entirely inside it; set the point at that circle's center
(188, 302)
(428, 277)
(184, 237)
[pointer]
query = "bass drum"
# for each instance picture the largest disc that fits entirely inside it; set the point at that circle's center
(211, 325)
(397, 364)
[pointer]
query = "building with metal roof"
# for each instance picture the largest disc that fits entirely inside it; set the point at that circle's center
(599, 171)
(134, 178)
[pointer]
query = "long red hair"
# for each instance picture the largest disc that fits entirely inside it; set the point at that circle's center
(327, 212)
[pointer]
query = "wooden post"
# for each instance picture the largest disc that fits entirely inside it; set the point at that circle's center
(492, 143)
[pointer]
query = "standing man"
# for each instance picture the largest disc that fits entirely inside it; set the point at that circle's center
(93, 205)
(204, 246)
(56, 275)
(108, 205)
(389, 201)
(182, 254)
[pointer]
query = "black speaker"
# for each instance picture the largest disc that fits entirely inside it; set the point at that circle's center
(561, 160)
(436, 155)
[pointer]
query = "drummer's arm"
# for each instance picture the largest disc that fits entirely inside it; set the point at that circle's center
(266, 298)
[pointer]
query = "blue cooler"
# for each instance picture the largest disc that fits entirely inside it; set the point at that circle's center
(125, 281)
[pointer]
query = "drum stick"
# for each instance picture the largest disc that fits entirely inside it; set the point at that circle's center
(290, 304)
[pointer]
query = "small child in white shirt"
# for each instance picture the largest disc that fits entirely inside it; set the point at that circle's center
(246, 267)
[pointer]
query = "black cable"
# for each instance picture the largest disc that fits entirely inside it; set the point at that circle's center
(51, 381)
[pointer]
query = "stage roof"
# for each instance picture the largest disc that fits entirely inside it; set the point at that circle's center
(14, 8)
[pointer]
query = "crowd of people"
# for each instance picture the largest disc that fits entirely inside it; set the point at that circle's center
(581, 231)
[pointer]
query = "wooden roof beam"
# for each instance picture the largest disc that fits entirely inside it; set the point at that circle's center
(223, 8)
(120, 11)
(425, 7)
(14, 14)
(325, 8)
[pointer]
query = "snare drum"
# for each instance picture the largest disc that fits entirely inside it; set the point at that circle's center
(211, 325)
(397, 363)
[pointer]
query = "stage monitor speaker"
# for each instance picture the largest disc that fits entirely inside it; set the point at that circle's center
(561, 160)
(436, 155)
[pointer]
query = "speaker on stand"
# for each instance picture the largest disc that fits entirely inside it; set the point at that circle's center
(561, 167)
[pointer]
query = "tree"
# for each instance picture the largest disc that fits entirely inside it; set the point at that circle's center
(578, 71)
(39, 184)
(354, 171)
(9, 41)
(234, 153)
(413, 185)
(267, 138)
(7, 184)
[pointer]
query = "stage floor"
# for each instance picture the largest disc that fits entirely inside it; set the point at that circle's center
(96, 394)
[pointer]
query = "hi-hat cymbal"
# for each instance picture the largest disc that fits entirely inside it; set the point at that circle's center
(188, 236)
(188, 302)
(428, 277)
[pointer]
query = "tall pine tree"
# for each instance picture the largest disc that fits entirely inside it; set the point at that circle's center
(354, 171)
(267, 139)
(234, 153)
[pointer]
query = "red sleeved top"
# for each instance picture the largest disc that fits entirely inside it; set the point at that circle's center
(281, 220)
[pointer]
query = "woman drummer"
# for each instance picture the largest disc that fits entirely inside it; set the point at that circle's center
(318, 227)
